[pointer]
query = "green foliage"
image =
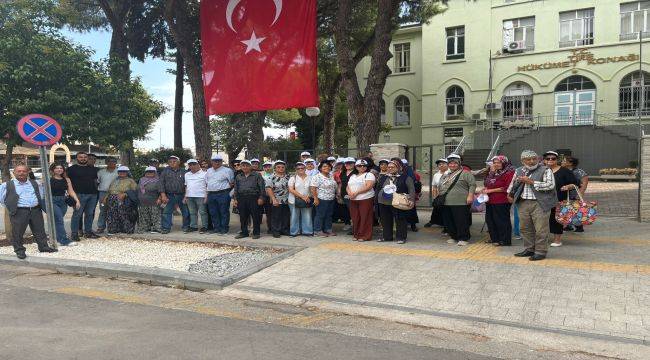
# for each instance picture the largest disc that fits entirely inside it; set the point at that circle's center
(282, 149)
(162, 154)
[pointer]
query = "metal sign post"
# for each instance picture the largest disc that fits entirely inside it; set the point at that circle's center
(42, 130)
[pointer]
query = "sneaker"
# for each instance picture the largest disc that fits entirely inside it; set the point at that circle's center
(427, 225)
(165, 231)
(202, 230)
(518, 237)
(91, 235)
(401, 241)
(255, 236)
(554, 244)
(99, 231)
(109, 234)
(241, 236)
(451, 241)
(74, 237)
(73, 243)
(444, 234)
(462, 243)
(347, 227)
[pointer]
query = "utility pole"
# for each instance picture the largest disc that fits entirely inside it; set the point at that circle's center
(638, 113)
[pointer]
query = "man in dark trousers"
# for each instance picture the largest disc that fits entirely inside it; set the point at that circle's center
(22, 198)
(84, 182)
(248, 198)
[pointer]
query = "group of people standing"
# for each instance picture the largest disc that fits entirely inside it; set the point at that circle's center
(534, 190)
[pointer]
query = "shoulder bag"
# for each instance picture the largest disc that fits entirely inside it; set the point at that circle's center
(401, 201)
(298, 202)
(439, 201)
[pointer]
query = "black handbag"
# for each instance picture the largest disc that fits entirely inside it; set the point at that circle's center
(439, 201)
(70, 201)
(301, 204)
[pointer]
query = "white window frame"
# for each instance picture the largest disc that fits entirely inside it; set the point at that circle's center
(455, 102)
(456, 55)
(581, 21)
(528, 32)
(402, 62)
(630, 33)
(402, 108)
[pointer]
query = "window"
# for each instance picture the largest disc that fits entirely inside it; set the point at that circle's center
(575, 82)
(452, 136)
(634, 18)
(383, 111)
(519, 34)
(455, 102)
(517, 102)
(402, 57)
(577, 28)
(402, 111)
(456, 43)
(634, 94)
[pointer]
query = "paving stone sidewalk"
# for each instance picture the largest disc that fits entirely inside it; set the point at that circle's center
(598, 283)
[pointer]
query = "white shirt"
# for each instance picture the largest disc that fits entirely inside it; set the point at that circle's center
(195, 184)
(301, 186)
(436, 178)
(313, 172)
(357, 182)
(219, 179)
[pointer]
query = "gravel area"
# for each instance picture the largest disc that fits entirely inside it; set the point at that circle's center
(226, 264)
(158, 254)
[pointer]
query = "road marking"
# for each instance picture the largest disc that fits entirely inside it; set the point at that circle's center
(485, 252)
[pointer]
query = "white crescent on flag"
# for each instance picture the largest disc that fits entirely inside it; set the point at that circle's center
(232, 4)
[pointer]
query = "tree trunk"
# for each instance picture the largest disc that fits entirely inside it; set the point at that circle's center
(6, 163)
(178, 102)
(329, 110)
(181, 25)
(256, 139)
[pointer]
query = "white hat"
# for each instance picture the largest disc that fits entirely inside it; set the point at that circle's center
(361, 162)
(331, 158)
(348, 160)
(192, 161)
(149, 168)
(255, 160)
(279, 162)
(453, 156)
(245, 162)
(405, 162)
(310, 160)
(174, 157)
(384, 160)
(123, 168)
(443, 160)
(305, 153)
(217, 157)
(339, 160)
(267, 163)
(551, 152)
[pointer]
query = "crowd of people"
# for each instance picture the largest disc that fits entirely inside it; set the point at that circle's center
(357, 192)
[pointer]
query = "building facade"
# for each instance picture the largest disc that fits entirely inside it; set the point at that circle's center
(516, 64)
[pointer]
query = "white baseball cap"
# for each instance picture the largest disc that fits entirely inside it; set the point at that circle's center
(149, 168)
(305, 153)
(217, 157)
(255, 160)
(245, 162)
(361, 162)
(267, 163)
(349, 160)
(123, 168)
(331, 158)
(192, 161)
(310, 160)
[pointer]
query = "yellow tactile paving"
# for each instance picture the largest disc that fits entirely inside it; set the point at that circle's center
(487, 253)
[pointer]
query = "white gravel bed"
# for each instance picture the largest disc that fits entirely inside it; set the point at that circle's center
(222, 265)
(157, 254)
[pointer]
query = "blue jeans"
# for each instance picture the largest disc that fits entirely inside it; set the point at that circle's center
(60, 208)
(219, 208)
(87, 209)
(323, 216)
(101, 219)
(168, 212)
(515, 225)
(197, 209)
(300, 220)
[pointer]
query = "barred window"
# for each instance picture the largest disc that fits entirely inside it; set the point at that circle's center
(455, 102)
(517, 102)
(634, 94)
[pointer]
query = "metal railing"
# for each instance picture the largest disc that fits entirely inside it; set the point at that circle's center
(494, 149)
(465, 143)
(563, 119)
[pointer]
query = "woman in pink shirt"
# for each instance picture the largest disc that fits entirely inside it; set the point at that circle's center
(497, 210)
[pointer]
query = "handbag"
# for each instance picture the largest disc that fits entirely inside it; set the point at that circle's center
(402, 202)
(298, 202)
(70, 201)
(576, 212)
(439, 201)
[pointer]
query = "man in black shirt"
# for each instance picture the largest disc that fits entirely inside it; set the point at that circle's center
(248, 198)
(84, 183)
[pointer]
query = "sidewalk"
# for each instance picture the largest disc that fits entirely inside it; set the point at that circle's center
(597, 284)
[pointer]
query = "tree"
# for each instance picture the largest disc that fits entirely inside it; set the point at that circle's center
(365, 107)
(178, 101)
(233, 131)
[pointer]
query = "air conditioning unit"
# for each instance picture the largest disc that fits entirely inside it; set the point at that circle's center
(493, 106)
(479, 116)
(516, 46)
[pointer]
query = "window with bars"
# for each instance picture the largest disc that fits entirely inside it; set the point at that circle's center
(519, 31)
(577, 27)
(575, 82)
(634, 95)
(634, 19)
(402, 111)
(517, 102)
(456, 43)
(455, 103)
(452, 137)
(383, 111)
(402, 57)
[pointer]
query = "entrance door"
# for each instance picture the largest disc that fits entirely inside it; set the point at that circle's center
(575, 107)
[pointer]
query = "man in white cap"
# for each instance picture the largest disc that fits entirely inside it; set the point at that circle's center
(267, 168)
(172, 192)
(310, 164)
(220, 180)
(304, 155)
(533, 190)
(196, 196)
(248, 198)
(255, 163)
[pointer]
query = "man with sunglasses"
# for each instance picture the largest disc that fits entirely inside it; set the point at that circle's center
(533, 190)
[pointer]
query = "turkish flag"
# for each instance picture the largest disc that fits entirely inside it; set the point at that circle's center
(258, 55)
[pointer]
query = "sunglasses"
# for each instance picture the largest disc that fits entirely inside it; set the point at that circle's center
(551, 158)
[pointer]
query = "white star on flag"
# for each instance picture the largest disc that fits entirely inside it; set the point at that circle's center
(253, 43)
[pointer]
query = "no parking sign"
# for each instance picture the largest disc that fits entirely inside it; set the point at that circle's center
(39, 130)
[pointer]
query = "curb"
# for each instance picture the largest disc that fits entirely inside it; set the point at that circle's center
(151, 276)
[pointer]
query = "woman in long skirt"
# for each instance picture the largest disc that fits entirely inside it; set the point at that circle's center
(120, 206)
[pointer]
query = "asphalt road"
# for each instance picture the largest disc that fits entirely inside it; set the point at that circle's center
(45, 325)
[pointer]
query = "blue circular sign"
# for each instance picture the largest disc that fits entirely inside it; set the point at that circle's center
(39, 130)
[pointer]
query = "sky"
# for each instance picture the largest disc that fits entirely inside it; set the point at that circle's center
(160, 84)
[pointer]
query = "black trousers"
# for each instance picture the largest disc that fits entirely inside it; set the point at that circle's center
(387, 216)
(280, 219)
(248, 209)
(456, 218)
(497, 218)
(553, 226)
(436, 216)
(19, 221)
(268, 211)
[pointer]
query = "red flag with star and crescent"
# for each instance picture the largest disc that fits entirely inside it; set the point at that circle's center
(258, 55)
